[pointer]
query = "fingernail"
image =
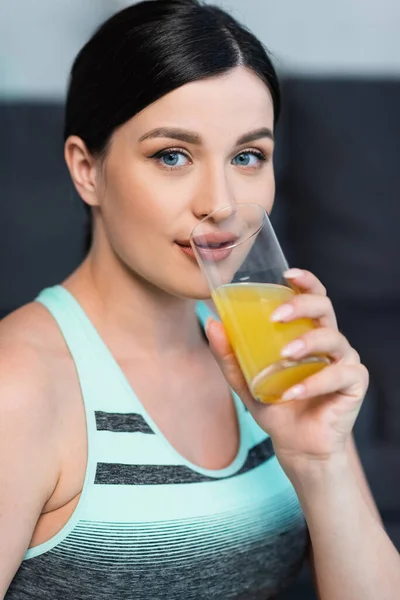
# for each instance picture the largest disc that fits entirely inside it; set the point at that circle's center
(207, 325)
(282, 313)
(294, 392)
(293, 273)
(293, 348)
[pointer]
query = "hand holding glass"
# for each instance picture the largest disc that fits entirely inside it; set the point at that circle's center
(238, 252)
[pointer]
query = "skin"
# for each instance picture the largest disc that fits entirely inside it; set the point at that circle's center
(140, 297)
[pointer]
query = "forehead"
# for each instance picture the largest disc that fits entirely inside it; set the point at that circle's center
(227, 105)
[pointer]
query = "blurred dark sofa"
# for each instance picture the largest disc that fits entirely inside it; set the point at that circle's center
(337, 214)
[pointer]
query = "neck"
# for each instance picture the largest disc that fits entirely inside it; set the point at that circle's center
(130, 313)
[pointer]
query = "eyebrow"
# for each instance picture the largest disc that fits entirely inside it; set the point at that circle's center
(190, 137)
(258, 134)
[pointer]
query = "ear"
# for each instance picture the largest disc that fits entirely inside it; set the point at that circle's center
(83, 169)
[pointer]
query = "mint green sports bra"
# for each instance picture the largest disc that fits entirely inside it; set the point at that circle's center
(150, 524)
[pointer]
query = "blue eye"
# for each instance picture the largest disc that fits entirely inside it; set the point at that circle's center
(248, 159)
(171, 159)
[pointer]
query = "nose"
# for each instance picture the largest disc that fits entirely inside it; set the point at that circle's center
(214, 191)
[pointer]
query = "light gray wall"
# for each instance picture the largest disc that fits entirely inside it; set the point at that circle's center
(327, 36)
(39, 38)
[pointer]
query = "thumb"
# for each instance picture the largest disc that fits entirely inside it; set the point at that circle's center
(225, 357)
(218, 339)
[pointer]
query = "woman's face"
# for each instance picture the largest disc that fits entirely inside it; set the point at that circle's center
(177, 161)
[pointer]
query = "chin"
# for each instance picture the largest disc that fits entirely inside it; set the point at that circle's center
(197, 296)
(188, 285)
(195, 292)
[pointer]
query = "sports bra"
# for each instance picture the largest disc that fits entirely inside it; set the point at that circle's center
(150, 524)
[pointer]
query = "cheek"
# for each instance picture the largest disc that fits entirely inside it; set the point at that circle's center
(260, 190)
(132, 203)
(270, 196)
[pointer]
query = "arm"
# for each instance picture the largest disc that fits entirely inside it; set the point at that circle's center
(352, 556)
(27, 458)
(359, 476)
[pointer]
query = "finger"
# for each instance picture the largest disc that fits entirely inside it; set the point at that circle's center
(225, 357)
(349, 380)
(306, 281)
(320, 341)
(308, 306)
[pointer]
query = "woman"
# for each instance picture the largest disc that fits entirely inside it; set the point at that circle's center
(128, 468)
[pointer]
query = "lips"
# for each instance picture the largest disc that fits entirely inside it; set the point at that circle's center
(216, 239)
(214, 246)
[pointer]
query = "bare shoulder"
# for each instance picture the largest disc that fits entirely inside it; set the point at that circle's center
(29, 341)
(31, 412)
(29, 429)
(31, 325)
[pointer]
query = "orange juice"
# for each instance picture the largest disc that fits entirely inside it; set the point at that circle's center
(245, 310)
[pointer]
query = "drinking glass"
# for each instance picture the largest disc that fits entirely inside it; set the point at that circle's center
(240, 256)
